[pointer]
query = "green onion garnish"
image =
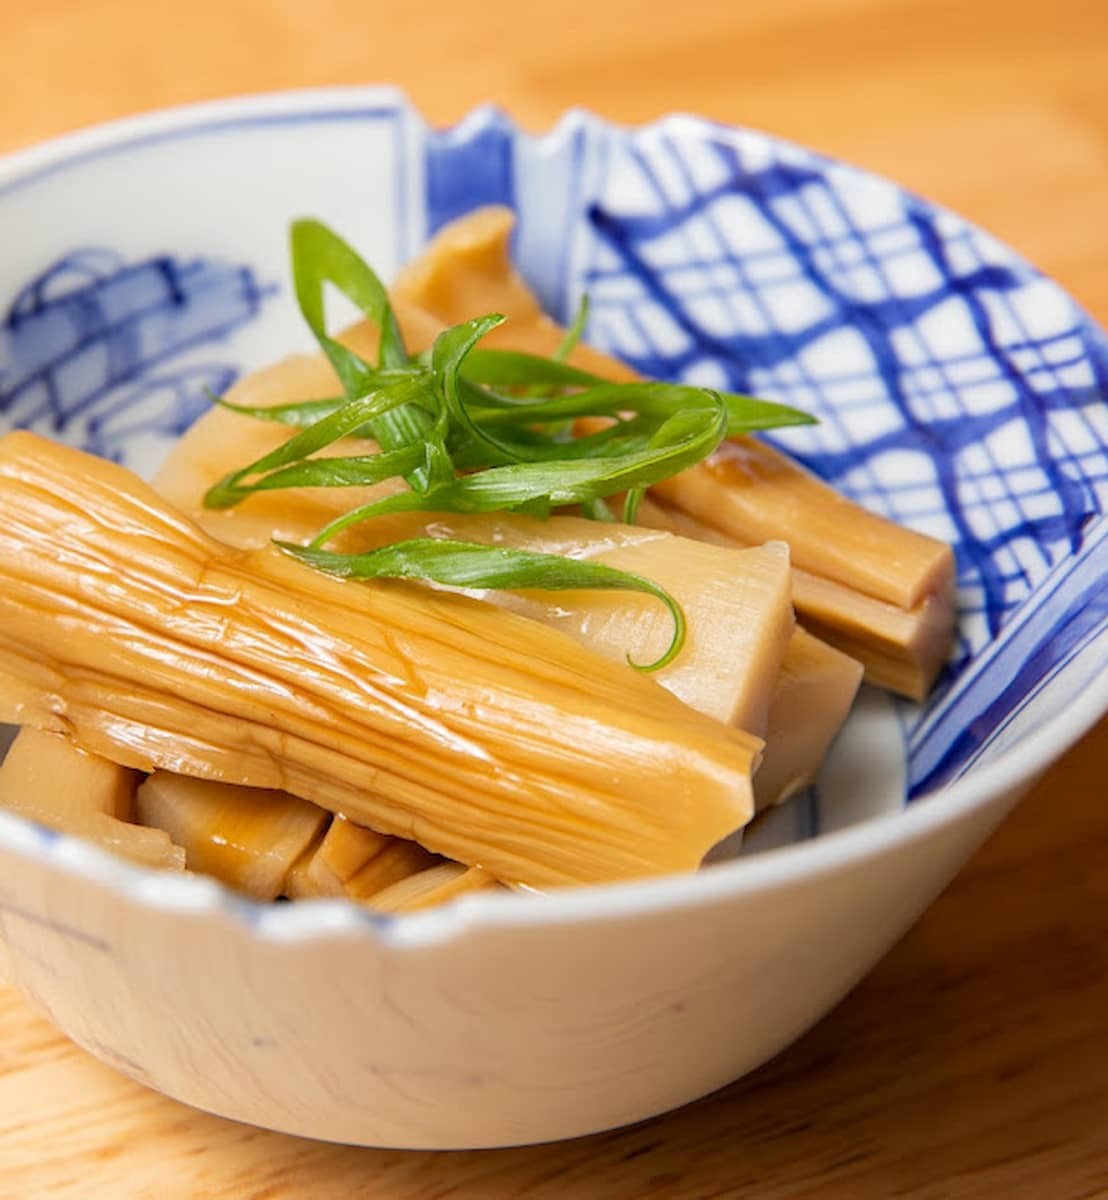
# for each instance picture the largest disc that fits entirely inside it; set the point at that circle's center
(471, 429)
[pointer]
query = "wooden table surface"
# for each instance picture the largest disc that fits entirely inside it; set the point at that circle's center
(974, 1060)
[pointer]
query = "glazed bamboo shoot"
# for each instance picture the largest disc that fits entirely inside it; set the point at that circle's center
(325, 870)
(467, 269)
(46, 771)
(738, 607)
(901, 649)
(431, 887)
(737, 602)
(399, 860)
(247, 837)
(811, 700)
(486, 737)
(49, 779)
(753, 492)
(222, 441)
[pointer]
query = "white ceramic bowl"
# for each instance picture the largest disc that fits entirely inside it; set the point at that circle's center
(960, 392)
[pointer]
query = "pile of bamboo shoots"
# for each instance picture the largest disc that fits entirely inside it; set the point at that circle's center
(193, 698)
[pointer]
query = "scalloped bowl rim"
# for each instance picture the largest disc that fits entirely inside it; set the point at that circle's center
(829, 852)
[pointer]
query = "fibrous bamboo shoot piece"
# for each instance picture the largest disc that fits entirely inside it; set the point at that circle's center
(467, 269)
(738, 605)
(137, 843)
(753, 492)
(738, 609)
(486, 737)
(355, 863)
(432, 887)
(811, 700)
(49, 779)
(900, 649)
(399, 860)
(47, 772)
(326, 870)
(873, 569)
(248, 838)
(296, 885)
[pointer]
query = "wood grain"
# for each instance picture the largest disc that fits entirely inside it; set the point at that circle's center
(974, 1061)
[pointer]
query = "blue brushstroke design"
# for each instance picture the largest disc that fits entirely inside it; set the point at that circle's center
(941, 440)
(165, 404)
(1062, 615)
(1030, 405)
(463, 173)
(87, 344)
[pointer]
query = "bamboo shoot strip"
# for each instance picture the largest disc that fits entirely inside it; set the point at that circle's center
(435, 885)
(49, 779)
(812, 699)
(248, 838)
(326, 868)
(901, 649)
(486, 737)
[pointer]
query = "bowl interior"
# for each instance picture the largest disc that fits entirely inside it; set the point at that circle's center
(959, 391)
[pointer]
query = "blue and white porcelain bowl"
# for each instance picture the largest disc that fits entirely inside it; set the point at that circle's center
(960, 392)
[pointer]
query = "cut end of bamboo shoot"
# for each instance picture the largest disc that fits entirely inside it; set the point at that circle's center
(901, 649)
(431, 888)
(47, 772)
(248, 838)
(812, 699)
(49, 779)
(753, 492)
(397, 862)
(326, 870)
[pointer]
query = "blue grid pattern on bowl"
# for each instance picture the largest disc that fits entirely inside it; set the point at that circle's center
(958, 390)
